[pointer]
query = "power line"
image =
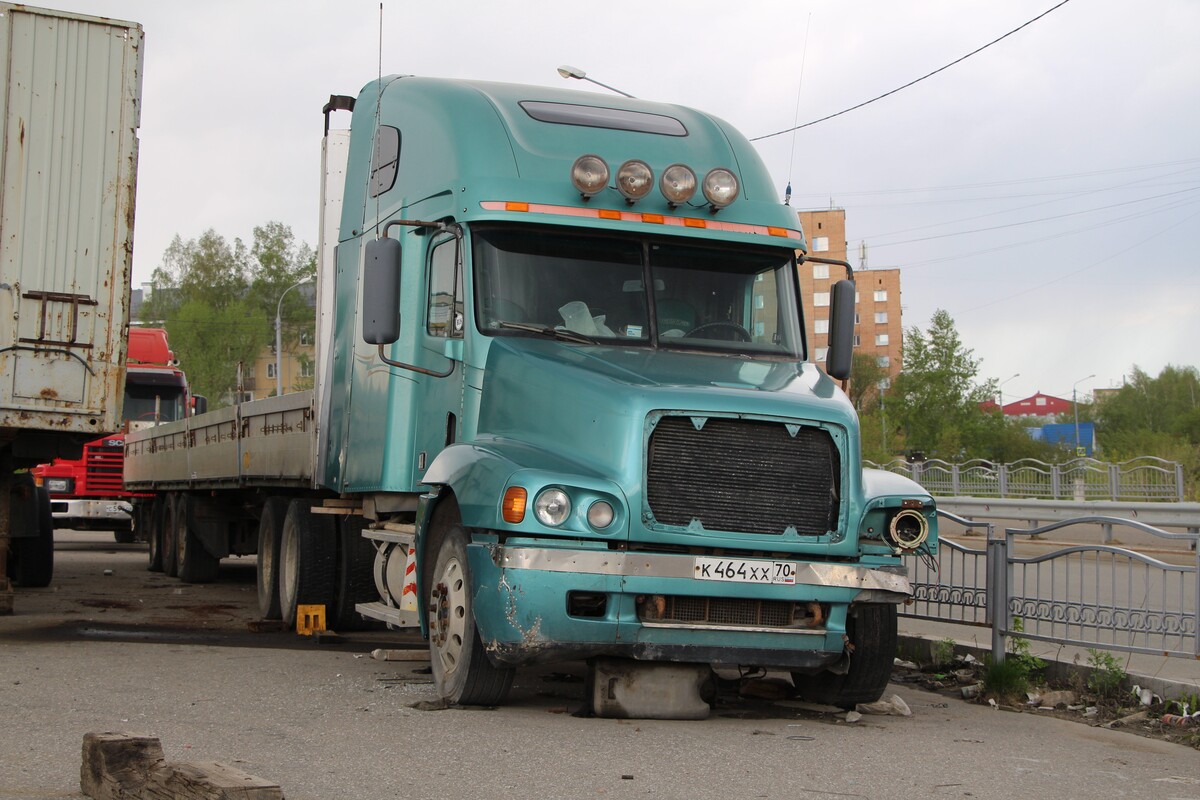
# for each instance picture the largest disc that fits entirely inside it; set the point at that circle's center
(918, 80)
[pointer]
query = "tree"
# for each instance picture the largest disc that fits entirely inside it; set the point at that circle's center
(865, 375)
(218, 300)
(934, 401)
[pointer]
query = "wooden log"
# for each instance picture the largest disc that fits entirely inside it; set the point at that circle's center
(122, 766)
(117, 765)
(207, 780)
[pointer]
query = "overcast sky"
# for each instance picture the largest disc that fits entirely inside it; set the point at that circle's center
(1045, 192)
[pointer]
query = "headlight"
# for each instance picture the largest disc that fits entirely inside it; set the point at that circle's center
(677, 184)
(720, 187)
(600, 515)
(59, 485)
(590, 175)
(635, 179)
(552, 507)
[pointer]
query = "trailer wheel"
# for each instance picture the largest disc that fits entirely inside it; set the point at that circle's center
(872, 632)
(462, 671)
(31, 558)
(170, 559)
(270, 531)
(355, 575)
(307, 560)
(195, 564)
(152, 514)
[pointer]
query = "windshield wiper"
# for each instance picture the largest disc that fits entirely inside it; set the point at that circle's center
(545, 330)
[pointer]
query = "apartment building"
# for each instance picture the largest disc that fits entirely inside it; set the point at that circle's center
(878, 326)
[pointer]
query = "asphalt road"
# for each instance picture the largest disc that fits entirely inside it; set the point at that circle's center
(135, 651)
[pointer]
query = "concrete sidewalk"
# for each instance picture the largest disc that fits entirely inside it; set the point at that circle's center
(1169, 677)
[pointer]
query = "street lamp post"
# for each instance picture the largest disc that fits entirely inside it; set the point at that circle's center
(568, 71)
(279, 337)
(1075, 407)
(1001, 388)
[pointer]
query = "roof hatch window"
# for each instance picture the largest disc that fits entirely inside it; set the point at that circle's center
(596, 117)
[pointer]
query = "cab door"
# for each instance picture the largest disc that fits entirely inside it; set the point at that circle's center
(440, 399)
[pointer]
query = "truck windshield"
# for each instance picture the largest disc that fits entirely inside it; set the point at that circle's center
(678, 294)
(140, 400)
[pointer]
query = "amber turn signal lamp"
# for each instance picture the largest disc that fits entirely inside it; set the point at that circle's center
(513, 508)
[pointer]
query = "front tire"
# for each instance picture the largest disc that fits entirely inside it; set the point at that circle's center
(871, 629)
(462, 671)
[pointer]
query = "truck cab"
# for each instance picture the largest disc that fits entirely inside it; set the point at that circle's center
(566, 343)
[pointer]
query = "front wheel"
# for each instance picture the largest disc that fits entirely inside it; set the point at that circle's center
(461, 669)
(871, 629)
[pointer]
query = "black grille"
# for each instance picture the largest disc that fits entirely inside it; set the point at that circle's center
(730, 611)
(747, 476)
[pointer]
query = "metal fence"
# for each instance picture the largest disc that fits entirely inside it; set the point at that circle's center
(1145, 478)
(1096, 596)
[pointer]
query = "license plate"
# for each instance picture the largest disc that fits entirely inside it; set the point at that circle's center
(738, 570)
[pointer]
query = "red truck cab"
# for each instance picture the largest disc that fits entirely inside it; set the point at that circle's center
(88, 493)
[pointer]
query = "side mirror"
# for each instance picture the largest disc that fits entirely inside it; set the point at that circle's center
(841, 331)
(381, 292)
(199, 404)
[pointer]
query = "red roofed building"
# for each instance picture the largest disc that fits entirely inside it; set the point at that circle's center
(1039, 405)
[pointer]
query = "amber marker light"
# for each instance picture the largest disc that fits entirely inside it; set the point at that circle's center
(513, 508)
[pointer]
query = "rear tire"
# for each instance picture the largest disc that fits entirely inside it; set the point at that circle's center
(462, 671)
(195, 563)
(152, 514)
(307, 560)
(170, 561)
(872, 631)
(355, 576)
(270, 531)
(31, 558)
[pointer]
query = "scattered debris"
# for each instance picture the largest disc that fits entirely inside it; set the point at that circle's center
(1126, 720)
(430, 705)
(853, 716)
(891, 706)
(400, 655)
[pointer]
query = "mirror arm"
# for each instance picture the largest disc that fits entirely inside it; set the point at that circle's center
(806, 258)
(415, 223)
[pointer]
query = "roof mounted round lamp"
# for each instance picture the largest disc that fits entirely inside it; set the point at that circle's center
(568, 71)
(589, 173)
(720, 187)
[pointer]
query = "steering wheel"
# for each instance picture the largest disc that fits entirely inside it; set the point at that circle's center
(740, 333)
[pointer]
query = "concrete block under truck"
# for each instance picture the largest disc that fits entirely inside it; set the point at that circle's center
(88, 493)
(562, 410)
(69, 115)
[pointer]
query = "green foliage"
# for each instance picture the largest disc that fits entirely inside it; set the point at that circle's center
(1021, 653)
(935, 400)
(1005, 679)
(1013, 676)
(1186, 704)
(1157, 416)
(943, 652)
(218, 302)
(865, 375)
(1107, 673)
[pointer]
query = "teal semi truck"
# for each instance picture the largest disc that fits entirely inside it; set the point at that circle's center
(562, 408)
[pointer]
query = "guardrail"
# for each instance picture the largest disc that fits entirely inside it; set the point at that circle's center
(1145, 478)
(1082, 595)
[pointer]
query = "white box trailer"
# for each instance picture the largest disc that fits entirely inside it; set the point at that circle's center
(68, 163)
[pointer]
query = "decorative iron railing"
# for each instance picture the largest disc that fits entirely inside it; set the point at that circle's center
(1141, 479)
